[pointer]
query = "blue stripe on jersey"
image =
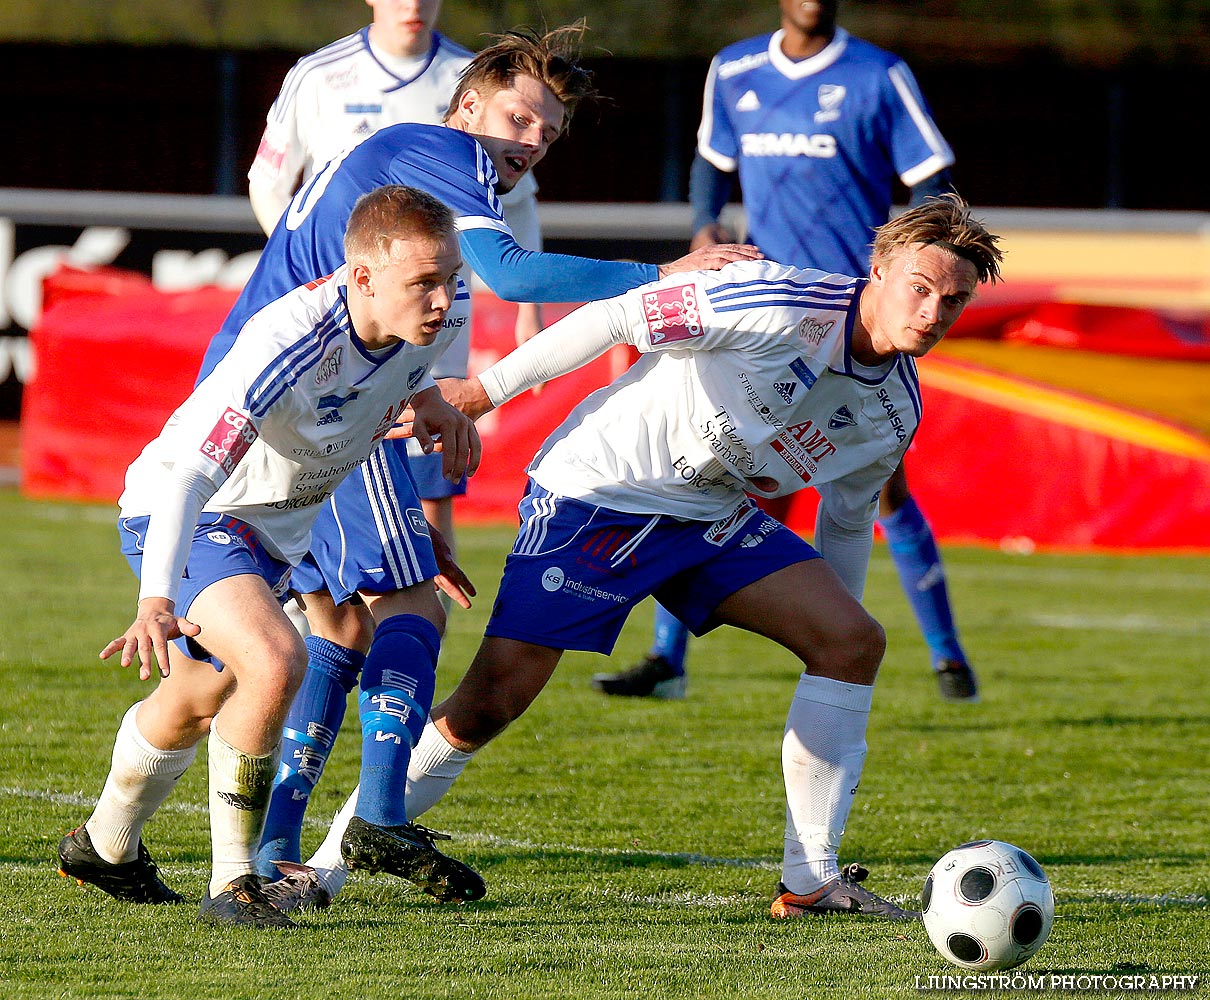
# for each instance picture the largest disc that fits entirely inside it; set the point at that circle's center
(487, 176)
(289, 366)
(763, 292)
(334, 52)
(794, 303)
(911, 382)
(823, 287)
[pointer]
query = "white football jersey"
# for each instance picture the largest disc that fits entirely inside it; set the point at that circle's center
(295, 404)
(337, 96)
(746, 384)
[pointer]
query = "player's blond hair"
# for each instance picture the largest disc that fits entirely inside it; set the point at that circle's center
(551, 58)
(389, 213)
(944, 220)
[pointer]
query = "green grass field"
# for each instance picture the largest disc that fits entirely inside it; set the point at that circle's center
(631, 849)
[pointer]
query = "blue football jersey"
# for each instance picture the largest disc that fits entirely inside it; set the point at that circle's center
(818, 144)
(308, 242)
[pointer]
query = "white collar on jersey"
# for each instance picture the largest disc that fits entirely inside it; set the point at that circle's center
(797, 69)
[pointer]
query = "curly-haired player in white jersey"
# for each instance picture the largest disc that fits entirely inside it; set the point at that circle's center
(397, 69)
(761, 379)
(220, 506)
(818, 124)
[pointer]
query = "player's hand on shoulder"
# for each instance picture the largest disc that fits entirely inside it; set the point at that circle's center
(438, 426)
(466, 395)
(710, 235)
(711, 258)
(155, 625)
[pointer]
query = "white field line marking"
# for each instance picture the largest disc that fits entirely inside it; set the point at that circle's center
(1092, 577)
(705, 861)
(92, 514)
(477, 839)
(1120, 623)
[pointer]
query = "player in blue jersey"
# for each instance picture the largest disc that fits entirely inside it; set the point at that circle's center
(819, 125)
(371, 543)
(758, 379)
(219, 507)
(398, 69)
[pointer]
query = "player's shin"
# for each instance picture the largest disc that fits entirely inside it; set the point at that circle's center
(309, 733)
(239, 797)
(432, 771)
(141, 776)
(397, 684)
(823, 752)
(914, 551)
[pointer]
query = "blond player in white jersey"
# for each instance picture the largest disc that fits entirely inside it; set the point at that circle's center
(219, 507)
(397, 69)
(761, 379)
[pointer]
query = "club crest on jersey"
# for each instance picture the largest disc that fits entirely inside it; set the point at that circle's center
(415, 375)
(843, 417)
(749, 102)
(672, 314)
(831, 96)
(229, 440)
(813, 331)
(329, 366)
(786, 390)
(799, 368)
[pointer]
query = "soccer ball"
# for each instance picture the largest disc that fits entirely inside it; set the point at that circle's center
(987, 905)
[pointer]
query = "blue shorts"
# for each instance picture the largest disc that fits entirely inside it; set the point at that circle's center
(426, 471)
(222, 547)
(576, 570)
(371, 535)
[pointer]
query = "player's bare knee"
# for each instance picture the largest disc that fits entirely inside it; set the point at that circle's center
(852, 653)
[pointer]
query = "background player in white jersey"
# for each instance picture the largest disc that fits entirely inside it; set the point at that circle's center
(397, 69)
(515, 98)
(818, 124)
(218, 508)
(759, 378)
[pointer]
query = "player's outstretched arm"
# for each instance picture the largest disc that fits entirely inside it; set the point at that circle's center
(155, 625)
(711, 257)
(466, 395)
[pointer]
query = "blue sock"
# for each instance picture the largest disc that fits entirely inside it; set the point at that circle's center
(310, 730)
(914, 552)
(397, 684)
(671, 638)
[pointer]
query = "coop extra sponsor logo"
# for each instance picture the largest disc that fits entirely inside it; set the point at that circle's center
(672, 314)
(229, 440)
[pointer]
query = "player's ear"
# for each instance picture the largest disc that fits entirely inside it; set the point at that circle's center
(470, 104)
(362, 279)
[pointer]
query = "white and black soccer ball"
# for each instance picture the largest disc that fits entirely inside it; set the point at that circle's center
(987, 905)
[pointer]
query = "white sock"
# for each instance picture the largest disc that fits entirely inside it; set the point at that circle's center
(141, 777)
(433, 769)
(327, 861)
(240, 784)
(823, 752)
